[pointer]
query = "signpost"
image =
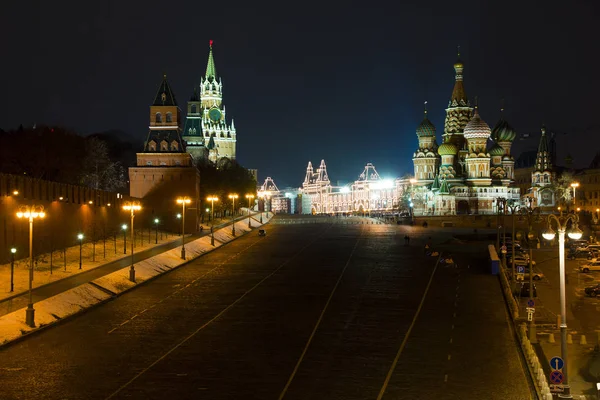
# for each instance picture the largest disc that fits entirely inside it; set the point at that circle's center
(557, 363)
(530, 312)
(531, 303)
(504, 250)
(520, 273)
(556, 376)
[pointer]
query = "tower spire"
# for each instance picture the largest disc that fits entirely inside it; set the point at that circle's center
(543, 161)
(211, 71)
(425, 107)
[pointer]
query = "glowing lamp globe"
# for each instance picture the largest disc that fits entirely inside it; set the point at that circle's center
(575, 233)
(548, 234)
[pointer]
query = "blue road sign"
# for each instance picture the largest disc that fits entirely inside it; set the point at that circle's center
(530, 303)
(520, 269)
(557, 363)
(556, 377)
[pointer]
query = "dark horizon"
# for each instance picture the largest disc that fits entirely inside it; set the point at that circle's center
(345, 84)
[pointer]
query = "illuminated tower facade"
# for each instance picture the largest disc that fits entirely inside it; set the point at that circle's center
(426, 159)
(458, 114)
(213, 123)
(164, 169)
(192, 131)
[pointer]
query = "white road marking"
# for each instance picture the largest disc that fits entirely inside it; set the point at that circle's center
(312, 335)
(410, 328)
(446, 378)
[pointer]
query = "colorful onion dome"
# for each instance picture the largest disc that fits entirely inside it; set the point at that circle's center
(447, 149)
(496, 150)
(503, 132)
(425, 128)
(477, 128)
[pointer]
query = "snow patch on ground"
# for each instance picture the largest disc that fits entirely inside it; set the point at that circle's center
(116, 282)
(48, 311)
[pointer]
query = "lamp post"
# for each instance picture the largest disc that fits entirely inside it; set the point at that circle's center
(80, 238)
(12, 268)
(183, 201)
(212, 200)
(233, 197)
(575, 185)
(501, 208)
(156, 221)
(532, 215)
(411, 204)
(31, 213)
(513, 208)
(575, 234)
(250, 197)
(132, 207)
(124, 227)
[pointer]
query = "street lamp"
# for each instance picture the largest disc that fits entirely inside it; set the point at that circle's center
(212, 200)
(124, 227)
(575, 234)
(12, 268)
(411, 203)
(132, 207)
(513, 208)
(156, 221)
(80, 238)
(250, 197)
(233, 197)
(575, 185)
(31, 213)
(183, 201)
(532, 215)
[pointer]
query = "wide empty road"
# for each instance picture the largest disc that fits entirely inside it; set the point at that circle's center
(311, 311)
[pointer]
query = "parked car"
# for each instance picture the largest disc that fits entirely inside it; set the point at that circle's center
(582, 255)
(261, 232)
(523, 290)
(593, 291)
(521, 260)
(574, 244)
(593, 265)
(537, 274)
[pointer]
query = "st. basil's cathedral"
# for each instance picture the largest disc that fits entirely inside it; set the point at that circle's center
(471, 169)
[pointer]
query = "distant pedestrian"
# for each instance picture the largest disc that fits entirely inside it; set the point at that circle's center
(406, 239)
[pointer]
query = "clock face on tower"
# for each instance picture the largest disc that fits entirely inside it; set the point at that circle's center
(214, 114)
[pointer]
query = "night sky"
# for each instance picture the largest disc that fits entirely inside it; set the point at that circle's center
(308, 81)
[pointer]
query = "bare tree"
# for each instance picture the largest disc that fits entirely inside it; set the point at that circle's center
(99, 171)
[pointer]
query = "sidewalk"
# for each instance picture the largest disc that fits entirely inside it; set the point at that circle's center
(57, 299)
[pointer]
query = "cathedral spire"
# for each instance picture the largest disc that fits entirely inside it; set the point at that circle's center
(211, 71)
(459, 98)
(542, 161)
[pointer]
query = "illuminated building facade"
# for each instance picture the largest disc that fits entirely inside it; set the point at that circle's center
(473, 166)
(206, 132)
(368, 193)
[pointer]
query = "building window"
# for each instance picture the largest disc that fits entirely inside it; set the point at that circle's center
(148, 162)
(169, 117)
(194, 110)
(174, 146)
(158, 118)
(177, 162)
